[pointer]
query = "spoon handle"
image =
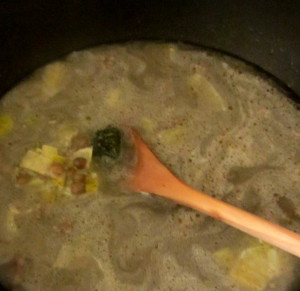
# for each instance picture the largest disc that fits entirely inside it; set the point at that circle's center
(236, 217)
(153, 177)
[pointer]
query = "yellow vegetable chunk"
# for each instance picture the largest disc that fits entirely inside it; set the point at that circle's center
(225, 257)
(92, 183)
(66, 256)
(6, 124)
(47, 162)
(148, 124)
(173, 135)
(9, 228)
(53, 79)
(206, 93)
(60, 181)
(113, 98)
(52, 153)
(36, 162)
(256, 266)
(49, 151)
(72, 253)
(10, 219)
(40, 160)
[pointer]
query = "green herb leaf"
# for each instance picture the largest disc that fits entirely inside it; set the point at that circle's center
(107, 142)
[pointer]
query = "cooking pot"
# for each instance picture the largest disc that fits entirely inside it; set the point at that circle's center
(264, 33)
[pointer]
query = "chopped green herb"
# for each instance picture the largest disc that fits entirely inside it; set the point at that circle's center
(107, 142)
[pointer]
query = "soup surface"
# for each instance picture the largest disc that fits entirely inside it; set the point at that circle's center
(222, 127)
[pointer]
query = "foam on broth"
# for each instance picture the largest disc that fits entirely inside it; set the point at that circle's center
(220, 125)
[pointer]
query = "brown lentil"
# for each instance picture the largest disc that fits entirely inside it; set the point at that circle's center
(79, 163)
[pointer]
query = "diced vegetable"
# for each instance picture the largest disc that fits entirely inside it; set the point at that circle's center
(107, 142)
(113, 98)
(38, 183)
(173, 52)
(66, 255)
(8, 226)
(71, 252)
(206, 93)
(76, 255)
(6, 124)
(52, 153)
(148, 124)
(256, 266)
(54, 76)
(10, 219)
(172, 135)
(60, 181)
(36, 162)
(225, 258)
(40, 160)
(55, 175)
(49, 151)
(92, 183)
(252, 268)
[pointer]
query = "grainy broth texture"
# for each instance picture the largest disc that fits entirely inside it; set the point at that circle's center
(218, 124)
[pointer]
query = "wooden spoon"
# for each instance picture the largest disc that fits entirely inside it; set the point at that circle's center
(152, 176)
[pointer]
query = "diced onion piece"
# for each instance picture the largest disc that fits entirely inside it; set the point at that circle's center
(206, 93)
(256, 266)
(52, 153)
(36, 162)
(10, 219)
(172, 135)
(113, 98)
(9, 228)
(53, 79)
(92, 183)
(49, 151)
(40, 160)
(225, 257)
(6, 124)
(148, 124)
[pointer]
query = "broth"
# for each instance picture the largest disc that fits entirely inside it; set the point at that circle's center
(221, 126)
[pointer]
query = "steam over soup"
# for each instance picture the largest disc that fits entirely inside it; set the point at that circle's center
(68, 221)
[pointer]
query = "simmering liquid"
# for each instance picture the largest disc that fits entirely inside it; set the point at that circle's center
(217, 123)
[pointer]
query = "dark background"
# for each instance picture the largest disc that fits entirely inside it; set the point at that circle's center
(265, 33)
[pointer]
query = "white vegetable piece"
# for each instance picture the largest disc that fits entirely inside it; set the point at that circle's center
(9, 227)
(54, 78)
(206, 92)
(36, 162)
(40, 160)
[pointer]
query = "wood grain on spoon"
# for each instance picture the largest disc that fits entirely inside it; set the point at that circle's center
(152, 176)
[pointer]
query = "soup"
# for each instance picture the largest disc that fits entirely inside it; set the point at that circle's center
(68, 221)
